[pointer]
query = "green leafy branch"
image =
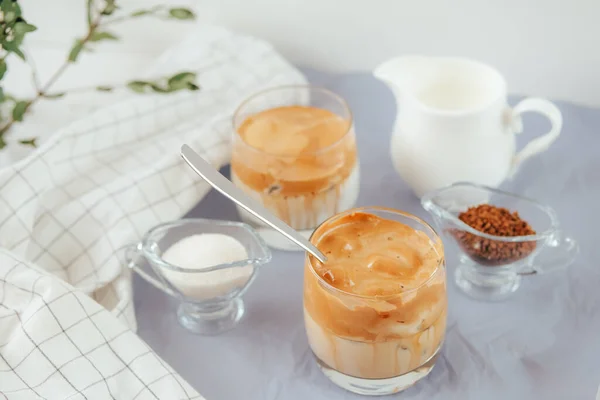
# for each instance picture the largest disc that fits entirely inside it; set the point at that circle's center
(99, 14)
(179, 81)
(159, 12)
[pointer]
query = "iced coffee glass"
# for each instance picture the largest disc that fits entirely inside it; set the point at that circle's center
(294, 150)
(375, 312)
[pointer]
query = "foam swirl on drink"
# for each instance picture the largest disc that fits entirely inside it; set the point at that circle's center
(298, 161)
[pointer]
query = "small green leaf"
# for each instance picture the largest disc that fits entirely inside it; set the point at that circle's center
(19, 110)
(5, 6)
(181, 13)
(138, 86)
(2, 68)
(13, 48)
(140, 13)
(17, 8)
(29, 142)
(54, 95)
(109, 8)
(10, 17)
(98, 36)
(181, 80)
(10, 6)
(19, 53)
(21, 28)
(183, 76)
(2, 97)
(75, 50)
(150, 11)
(104, 88)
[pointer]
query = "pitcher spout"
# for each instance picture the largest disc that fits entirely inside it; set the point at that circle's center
(403, 74)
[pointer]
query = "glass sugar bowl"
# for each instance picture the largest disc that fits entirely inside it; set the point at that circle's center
(210, 293)
(491, 265)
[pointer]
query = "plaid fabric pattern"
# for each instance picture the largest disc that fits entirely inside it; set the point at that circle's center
(68, 209)
(57, 343)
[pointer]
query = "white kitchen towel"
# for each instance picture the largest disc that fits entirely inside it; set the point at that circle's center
(57, 343)
(95, 186)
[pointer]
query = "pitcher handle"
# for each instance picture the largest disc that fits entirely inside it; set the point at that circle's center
(540, 144)
(130, 254)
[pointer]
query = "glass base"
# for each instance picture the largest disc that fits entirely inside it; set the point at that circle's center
(486, 283)
(378, 387)
(203, 321)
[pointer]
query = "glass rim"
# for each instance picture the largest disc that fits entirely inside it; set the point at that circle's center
(307, 87)
(366, 209)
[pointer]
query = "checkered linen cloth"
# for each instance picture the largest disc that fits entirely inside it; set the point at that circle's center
(68, 209)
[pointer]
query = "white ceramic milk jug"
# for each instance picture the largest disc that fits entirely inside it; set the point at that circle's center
(454, 123)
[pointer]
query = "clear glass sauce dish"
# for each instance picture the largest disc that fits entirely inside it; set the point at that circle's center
(547, 250)
(204, 308)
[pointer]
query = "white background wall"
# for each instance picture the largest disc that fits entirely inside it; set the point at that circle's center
(544, 47)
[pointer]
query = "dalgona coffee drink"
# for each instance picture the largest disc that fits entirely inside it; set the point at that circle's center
(375, 311)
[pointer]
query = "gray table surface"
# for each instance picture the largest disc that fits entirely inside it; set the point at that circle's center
(544, 343)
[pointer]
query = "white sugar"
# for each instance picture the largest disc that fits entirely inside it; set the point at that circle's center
(202, 251)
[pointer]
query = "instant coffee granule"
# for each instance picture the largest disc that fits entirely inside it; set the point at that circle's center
(496, 221)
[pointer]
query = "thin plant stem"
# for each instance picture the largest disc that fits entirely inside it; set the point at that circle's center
(57, 74)
(34, 74)
(129, 16)
(92, 89)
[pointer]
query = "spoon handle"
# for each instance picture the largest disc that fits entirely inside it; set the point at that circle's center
(233, 193)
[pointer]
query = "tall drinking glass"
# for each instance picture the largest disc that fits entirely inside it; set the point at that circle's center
(375, 312)
(294, 150)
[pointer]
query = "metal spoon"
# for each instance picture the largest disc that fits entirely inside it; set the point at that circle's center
(225, 187)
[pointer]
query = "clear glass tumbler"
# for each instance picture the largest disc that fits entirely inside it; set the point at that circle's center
(376, 344)
(294, 150)
(210, 299)
(490, 266)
